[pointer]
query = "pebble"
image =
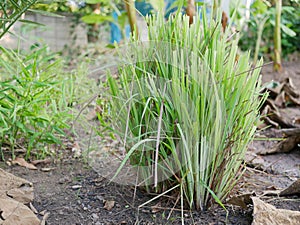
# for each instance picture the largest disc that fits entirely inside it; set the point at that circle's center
(75, 187)
(95, 216)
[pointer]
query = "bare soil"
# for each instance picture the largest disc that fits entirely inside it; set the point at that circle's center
(73, 193)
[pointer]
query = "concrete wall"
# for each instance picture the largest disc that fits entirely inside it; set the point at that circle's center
(57, 33)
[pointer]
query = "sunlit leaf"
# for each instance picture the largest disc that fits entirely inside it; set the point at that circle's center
(288, 31)
(95, 18)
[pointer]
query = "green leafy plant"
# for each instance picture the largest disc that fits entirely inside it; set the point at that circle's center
(259, 34)
(34, 100)
(11, 11)
(185, 108)
(277, 37)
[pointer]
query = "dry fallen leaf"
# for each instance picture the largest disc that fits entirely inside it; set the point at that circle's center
(241, 200)
(266, 214)
(280, 100)
(15, 187)
(284, 146)
(42, 161)
(108, 205)
(23, 194)
(14, 193)
(293, 189)
(22, 162)
(15, 213)
(290, 88)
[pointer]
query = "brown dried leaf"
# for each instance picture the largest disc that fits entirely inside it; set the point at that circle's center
(15, 213)
(271, 193)
(280, 100)
(241, 200)
(23, 194)
(291, 100)
(291, 132)
(284, 146)
(290, 88)
(108, 205)
(41, 161)
(15, 187)
(293, 189)
(273, 117)
(23, 163)
(264, 213)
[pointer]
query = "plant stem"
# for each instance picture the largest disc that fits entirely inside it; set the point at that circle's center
(277, 37)
(260, 29)
(130, 8)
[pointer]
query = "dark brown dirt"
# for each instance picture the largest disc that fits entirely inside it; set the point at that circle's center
(73, 193)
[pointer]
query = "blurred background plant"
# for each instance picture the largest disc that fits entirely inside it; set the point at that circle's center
(38, 94)
(34, 105)
(257, 31)
(11, 11)
(93, 12)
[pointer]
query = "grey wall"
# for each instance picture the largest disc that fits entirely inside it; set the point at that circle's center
(56, 33)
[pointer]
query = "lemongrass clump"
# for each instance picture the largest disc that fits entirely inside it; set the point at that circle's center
(186, 108)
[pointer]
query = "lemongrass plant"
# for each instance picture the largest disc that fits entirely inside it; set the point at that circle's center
(186, 108)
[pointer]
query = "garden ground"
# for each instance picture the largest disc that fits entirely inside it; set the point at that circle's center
(73, 193)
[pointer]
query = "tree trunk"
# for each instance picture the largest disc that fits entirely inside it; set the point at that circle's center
(93, 29)
(277, 37)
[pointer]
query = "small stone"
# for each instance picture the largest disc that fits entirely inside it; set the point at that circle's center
(76, 187)
(95, 216)
(100, 198)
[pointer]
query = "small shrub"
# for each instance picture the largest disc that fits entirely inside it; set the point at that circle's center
(186, 108)
(35, 94)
